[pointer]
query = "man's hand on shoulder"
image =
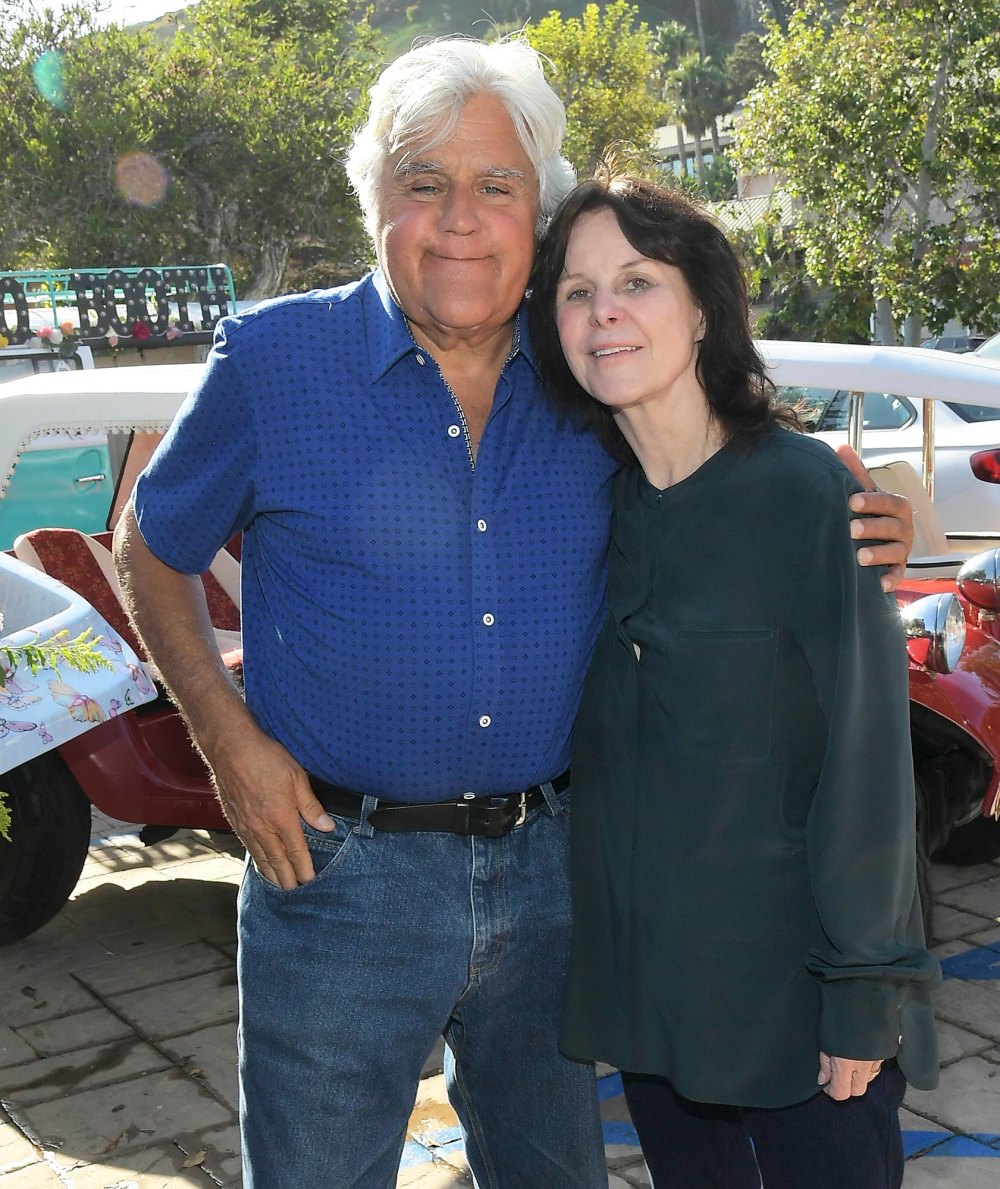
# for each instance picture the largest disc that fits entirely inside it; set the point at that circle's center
(888, 519)
(264, 793)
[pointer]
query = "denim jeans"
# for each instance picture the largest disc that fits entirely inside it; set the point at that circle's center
(347, 982)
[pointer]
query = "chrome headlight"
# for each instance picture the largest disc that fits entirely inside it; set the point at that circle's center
(935, 631)
(979, 580)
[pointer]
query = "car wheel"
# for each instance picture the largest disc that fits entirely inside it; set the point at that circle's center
(924, 863)
(976, 842)
(49, 837)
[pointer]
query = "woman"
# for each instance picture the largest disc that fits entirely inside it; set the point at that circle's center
(747, 934)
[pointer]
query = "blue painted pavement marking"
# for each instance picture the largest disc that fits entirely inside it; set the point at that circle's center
(983, 962)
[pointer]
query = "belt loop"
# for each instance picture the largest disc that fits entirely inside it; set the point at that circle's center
(552, 802)
(364, 827)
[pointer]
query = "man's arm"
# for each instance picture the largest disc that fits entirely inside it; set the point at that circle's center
(888, 520)
(262, 789)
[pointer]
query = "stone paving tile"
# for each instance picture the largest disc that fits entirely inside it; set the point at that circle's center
(183, 1005)
(982, 898)
(955, 1043)
(944, 875)
(948, 923)
(150, 970)
(163, 1166)
(209, 1055)
(78, 1031)
(35, 1176)
(15, 1150)
(433, 1176)
(219, 1150)
(919, 1134)
(69, 1073)
(967, 1099)
(26, 1000)
(116, 1120)
(970, 1005)
(636, 1175)
(13, 1050)
(942, 1172)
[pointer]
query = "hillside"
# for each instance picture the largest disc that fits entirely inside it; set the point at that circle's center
(401, 22)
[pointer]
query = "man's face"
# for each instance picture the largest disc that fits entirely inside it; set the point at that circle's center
(456, 228)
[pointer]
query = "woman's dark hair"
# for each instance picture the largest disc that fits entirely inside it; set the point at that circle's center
(662, 225)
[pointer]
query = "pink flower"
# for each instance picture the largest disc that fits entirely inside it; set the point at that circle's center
(140, 331)
(172, 333)
(112, 338)
(45, 333)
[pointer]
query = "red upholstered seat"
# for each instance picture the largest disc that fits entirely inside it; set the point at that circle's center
(85, 565)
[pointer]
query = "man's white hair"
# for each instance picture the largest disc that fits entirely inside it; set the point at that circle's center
(419, 99)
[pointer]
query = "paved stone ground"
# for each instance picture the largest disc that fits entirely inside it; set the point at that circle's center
(118, 1025)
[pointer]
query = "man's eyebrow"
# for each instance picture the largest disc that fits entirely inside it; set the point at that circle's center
(411, 167)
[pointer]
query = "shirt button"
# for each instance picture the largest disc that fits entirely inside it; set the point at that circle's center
(453, 431)
(481, 525)
(421, 360)
(488, 619)
(485, 720)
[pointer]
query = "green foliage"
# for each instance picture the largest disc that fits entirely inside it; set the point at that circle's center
(79, 653)
(745, 67)
(602, 68)
(885, 122)
(244, 115)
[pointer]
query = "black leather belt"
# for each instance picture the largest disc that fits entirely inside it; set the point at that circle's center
(489, 817)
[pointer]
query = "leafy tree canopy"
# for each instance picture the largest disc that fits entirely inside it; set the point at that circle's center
(604, 71)
(885, 122)
(223, 143)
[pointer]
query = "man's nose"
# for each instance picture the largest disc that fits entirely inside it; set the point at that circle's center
(460, 213)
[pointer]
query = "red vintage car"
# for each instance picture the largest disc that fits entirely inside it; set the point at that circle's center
(140, 766)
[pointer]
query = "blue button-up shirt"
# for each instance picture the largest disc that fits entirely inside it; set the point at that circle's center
(416, 622)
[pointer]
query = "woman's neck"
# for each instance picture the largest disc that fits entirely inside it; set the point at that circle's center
(671, 443)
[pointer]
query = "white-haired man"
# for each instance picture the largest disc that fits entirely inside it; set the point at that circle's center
(423, 572)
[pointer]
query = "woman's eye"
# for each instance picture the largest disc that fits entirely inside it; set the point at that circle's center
(577, 294)
(637, 283)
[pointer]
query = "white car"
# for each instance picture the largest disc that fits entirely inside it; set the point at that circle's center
(967, 466)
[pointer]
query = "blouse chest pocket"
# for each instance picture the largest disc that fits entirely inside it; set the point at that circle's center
(715, 689)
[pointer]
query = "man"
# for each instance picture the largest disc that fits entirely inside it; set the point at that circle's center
(423, 569)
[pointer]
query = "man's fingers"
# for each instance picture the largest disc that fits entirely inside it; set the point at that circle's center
(849, 457)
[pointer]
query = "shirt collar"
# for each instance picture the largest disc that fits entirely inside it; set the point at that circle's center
(388, 334)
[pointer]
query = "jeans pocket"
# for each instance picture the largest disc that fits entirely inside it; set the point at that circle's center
(327, 849)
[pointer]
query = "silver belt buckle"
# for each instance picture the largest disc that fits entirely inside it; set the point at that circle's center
(522, 810)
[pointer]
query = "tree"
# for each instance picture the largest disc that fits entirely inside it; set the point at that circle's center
(673, 41)
(744, 67)
(223, 143)
(695, 91)
(603, 69)
(885, 122)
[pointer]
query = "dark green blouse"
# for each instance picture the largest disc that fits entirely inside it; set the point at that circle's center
(743, 803)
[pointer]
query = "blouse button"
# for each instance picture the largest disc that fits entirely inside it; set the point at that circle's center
(453, 431)
(485, 720)
(481, 525)
(488, 619)
(421, 360)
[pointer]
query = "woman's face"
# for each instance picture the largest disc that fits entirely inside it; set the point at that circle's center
(627, 324)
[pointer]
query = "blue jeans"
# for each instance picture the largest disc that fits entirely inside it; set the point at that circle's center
(347, 982)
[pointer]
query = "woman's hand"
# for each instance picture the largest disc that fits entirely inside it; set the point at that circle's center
(842, 1078)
